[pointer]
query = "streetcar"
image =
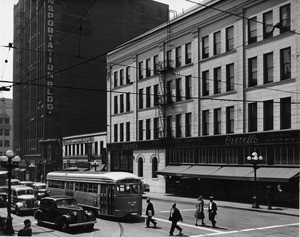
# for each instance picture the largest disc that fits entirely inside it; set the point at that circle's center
(115, 194)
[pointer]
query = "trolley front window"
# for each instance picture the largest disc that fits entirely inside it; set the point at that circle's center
(129, 189)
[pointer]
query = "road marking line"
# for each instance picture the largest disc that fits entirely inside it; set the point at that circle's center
(245, 230)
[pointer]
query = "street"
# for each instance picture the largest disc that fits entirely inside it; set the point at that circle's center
(230, 222)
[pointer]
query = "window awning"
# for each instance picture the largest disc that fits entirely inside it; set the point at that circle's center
(234, 173)
(201, 171)
(173, 170)
(276, 174)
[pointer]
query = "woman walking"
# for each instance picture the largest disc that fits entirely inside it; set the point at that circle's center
(199, 213)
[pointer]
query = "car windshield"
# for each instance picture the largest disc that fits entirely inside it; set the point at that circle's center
(25, 191)
(66, 202)
(40, 186)
(129, 189)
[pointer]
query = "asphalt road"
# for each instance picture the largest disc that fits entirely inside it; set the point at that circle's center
(230, 222)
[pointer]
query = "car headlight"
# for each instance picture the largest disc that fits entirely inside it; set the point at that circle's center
(75, 213)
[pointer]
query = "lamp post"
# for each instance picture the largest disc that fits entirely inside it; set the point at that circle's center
(94, 164)
(9, 161)
(255, 159)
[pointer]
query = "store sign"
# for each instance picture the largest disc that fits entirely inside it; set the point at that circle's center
(49, 62)
(241, 140)
(78, 141)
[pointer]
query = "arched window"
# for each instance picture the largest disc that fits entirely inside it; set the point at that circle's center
(154, 167)
(140, 167)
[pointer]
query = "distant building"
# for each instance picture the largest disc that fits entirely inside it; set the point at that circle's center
(85, 150)
(203, 92)
(60, 68)
(6, 125)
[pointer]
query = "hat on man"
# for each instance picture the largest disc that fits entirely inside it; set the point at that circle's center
(211, 197)
(27, 221)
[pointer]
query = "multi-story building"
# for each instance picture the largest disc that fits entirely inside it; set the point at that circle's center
(60, 67)
(191, 99)
(85, 150)
(6, 128)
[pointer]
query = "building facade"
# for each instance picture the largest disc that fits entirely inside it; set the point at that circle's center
(191, 99)
(60, 68)
(85, 150)
(6, 125)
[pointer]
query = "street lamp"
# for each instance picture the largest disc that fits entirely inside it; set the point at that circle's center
(9, 161)
(94, 164)
(255, 159)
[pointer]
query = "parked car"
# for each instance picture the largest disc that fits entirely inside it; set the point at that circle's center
(3, 195)
(23, 199)
(40, 189)
(64, 213)
(27, 183)
(13, 181)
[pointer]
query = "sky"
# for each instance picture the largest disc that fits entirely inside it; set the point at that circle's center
(6, 35)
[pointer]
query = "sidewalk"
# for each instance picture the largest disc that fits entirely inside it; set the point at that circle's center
(225, 204)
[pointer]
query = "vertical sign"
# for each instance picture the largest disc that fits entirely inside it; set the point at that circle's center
(49, 60)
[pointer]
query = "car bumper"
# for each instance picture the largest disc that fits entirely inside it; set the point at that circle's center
(82, 223)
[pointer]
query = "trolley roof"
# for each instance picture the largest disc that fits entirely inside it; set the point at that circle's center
(87, 176)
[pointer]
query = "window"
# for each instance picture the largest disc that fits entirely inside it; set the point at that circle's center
(169, 92)
(140, 167)
(128, 131)
(121, 103)
(96, 148)
(217, 80)
(230, 119)
(217, 121)
(285, 63)
(205, 122)
(178, 89)
(6, 132)
(115, 104)
(148, 68)
(230, 77)
(141, 70)
(205, 47)
(169, 59)
(188, 87)
(115, 133)
(128, 101)
(205, 83)
(268, 115)
(252, 117)
(217, 43)
(155, 128)
(6, 120)
(155, 93)
(148, 96)
(6, 143)
(141, 98)
(121, 77)
(128, 75)
(178, 125)
(268, 24)
(252, 67)
(188, 124)
(1, 131)
(285, 19)
(121, 132)
(154, 167)
(155, 64)
(285, 113)
(252, 30)
(1, 143)
(148, 129)
(268, 68)
(140, 130)
(229, 39)
(115, 78)
(178, 56)
(169, 126)
(188, 53)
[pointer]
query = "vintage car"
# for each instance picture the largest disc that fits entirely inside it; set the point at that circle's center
(23, 199)
(40, 189)
(27, 183)
(3, 196)
(64, 213)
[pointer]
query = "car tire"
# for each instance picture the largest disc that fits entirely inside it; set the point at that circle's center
(90, 227)
(64, 226)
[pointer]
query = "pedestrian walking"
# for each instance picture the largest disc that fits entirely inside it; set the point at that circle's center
(150, 214)
(212, 211)
(26, 231)
(174, 217)
(199, 213)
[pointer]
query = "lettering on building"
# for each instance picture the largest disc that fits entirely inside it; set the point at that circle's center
(242, 140)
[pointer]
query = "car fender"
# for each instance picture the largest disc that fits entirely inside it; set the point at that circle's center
(63, 217)
(19, 205)
(37, 213)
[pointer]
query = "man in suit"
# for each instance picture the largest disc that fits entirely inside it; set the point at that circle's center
(150, 214)
(175, 216)
(212, 211)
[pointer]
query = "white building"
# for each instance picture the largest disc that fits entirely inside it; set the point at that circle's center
(191, 99)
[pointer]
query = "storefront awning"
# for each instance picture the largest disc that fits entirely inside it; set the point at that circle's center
(173, 170)
(201, 171)
(234, 173)
(276, 174)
